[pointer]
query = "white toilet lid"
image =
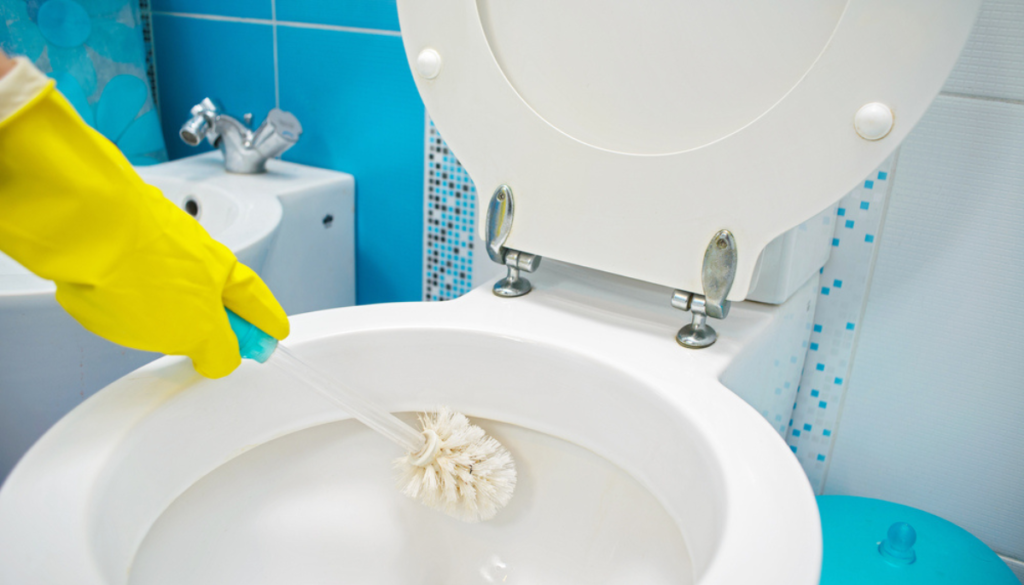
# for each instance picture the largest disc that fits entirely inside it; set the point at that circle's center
(630, 132)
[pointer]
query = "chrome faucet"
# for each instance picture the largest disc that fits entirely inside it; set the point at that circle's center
(245, 151)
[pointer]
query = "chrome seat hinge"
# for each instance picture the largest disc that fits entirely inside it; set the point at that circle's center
(499, 223)
(716, 277)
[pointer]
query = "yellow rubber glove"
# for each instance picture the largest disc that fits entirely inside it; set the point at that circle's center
(129, 265)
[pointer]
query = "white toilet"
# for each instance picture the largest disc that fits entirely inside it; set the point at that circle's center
(657, 161)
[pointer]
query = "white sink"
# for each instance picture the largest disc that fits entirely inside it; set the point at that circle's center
(275, 224)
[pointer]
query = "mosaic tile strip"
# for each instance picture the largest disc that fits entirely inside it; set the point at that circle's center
(146, 20)
(450, 216)
(840, 307)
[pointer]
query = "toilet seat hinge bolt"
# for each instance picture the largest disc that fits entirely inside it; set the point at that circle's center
(500, 212)
(717, 275)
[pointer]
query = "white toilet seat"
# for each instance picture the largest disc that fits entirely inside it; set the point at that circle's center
(602, 372)
(646, 203)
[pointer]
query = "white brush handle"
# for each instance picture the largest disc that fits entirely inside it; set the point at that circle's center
(350, 400)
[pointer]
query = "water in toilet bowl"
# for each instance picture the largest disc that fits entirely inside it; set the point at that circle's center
(318, 506)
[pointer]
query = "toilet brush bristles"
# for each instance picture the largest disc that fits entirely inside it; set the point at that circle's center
(461, 472)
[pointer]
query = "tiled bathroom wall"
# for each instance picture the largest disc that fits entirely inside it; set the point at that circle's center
(341, 69)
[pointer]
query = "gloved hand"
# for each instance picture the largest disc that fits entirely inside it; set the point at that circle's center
(129, 265)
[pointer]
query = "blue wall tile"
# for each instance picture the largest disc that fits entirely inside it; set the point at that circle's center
(245, 8)
(240, 75)
(361, 114)
(378, 14)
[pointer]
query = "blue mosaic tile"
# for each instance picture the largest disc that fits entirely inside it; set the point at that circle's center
(450, 216)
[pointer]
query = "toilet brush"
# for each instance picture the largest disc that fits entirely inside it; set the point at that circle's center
(451, 465)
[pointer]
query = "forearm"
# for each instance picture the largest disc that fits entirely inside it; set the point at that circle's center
(6, 63)
(20, 82)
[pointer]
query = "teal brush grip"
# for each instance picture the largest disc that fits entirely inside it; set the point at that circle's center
(253, 343)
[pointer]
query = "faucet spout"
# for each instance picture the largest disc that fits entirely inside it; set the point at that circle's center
(200, 125)
(244, 151)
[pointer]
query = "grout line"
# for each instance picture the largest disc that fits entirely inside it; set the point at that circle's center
(351, 29)
(216, 17)
(275, 23)
(983, 98)
(277, 77)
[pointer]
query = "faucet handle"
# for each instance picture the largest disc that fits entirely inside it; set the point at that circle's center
(204, 107)
(284, 123)
(278, 132)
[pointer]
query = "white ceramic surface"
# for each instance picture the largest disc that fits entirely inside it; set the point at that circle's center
(272, 222)
(250, 477)
(684, 117)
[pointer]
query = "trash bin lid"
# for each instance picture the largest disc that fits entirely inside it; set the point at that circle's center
(875, 542)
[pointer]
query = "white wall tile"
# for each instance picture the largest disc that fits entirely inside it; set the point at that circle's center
(992, 63)
(934, 413)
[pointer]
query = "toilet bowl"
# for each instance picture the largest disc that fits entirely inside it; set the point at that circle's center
(647, 452)
(636, 463)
